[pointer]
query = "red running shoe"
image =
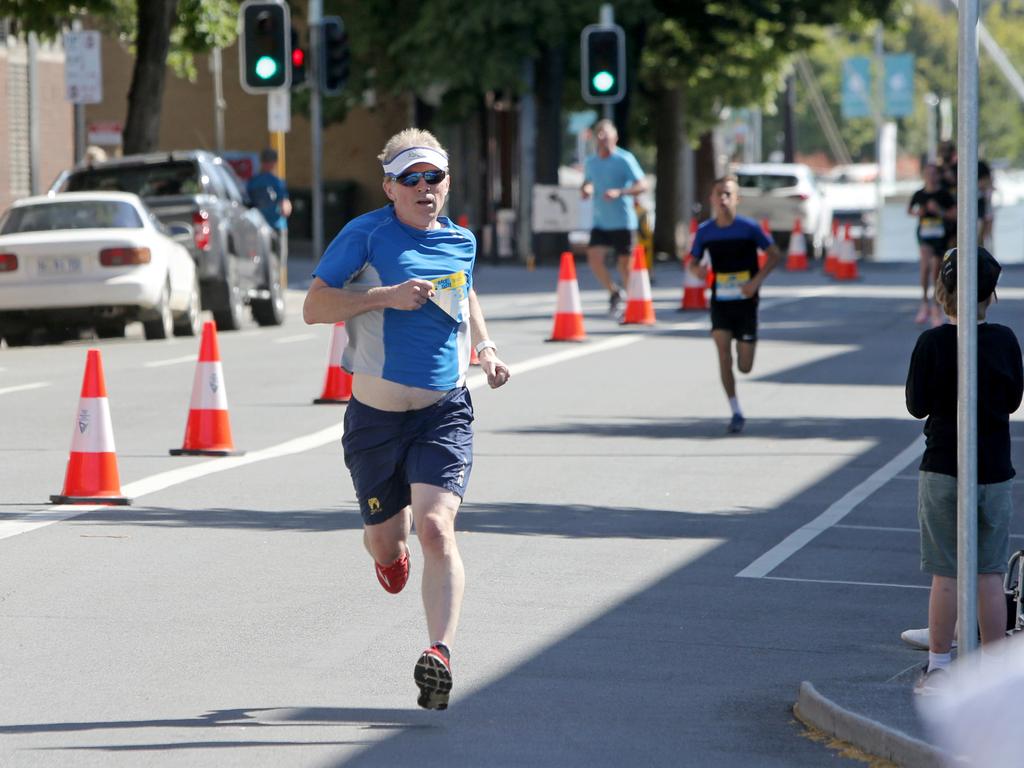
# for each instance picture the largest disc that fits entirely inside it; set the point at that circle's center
(393, 577)
(433, 675)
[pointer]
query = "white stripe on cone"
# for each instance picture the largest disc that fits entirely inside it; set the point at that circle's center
(208, 391)
(568, 300)
(639, 285)
(94, 432)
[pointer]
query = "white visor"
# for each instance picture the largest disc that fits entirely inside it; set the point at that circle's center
(412, 155)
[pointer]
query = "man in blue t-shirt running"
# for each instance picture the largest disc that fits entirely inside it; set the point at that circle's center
(731, 243)
(613, 178)
(401, 279)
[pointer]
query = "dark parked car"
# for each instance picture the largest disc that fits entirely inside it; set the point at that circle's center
(231, 242)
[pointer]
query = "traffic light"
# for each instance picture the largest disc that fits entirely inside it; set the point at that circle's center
(298, 63)
(265, 35)
(334, 55)
(603, 69)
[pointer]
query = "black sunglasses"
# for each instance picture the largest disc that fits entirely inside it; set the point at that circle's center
(413, 178)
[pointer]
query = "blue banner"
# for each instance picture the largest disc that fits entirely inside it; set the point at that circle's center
(899, 84)
(856, 95)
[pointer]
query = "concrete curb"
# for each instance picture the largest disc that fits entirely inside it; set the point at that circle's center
(813, 709)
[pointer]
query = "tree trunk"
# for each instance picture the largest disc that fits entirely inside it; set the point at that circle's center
(668, 130)
(550, 69)
(146, 95)
(705, 174)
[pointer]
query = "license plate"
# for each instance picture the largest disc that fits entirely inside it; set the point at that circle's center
(59, 265)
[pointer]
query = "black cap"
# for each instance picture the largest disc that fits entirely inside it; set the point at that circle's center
(268, 156)
(988, 272)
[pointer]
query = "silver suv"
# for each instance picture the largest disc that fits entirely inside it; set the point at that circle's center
(783, 193)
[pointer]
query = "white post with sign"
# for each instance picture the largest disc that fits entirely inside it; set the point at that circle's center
(279, 111)
(83, 73)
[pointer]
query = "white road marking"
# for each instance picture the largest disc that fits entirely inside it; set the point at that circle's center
(163, 480)
(801, 537)
(24, 387)
(850, 583)
(170, 361)
(298, 337)
(894, 529)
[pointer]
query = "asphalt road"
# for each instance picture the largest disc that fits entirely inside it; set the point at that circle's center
(642, 588)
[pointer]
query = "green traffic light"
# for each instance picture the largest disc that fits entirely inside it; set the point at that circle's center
(603, 81)
(266, 67)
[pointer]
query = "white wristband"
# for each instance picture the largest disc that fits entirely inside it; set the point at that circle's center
(486, 344)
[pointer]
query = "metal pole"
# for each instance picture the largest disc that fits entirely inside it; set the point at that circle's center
(33, 113)
(219, 105)
(932, 102)
(607, 19)
(527, 163)
(316, 127)
(967, 327)
(879, 106)
(80, 135)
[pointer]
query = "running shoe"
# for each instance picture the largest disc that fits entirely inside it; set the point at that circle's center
(393, 577)
(922, 314)
(735, 424)
(615, 300)
(930, 683)
(433, 675)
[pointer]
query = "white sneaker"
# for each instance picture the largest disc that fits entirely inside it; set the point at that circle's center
(917, 638)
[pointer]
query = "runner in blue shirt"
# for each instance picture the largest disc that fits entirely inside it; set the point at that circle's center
(731, 243)
(613, 178)
(401, 278)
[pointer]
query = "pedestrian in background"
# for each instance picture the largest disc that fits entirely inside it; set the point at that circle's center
(732, 243)
(934, 207)
(931, 393)
(269, 194)
(401, 278)
(611, 177)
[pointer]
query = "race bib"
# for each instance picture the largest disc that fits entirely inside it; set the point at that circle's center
(451, 293)
(931, 228)
(728, 285)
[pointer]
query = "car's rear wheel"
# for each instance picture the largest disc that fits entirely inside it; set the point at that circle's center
(230, 305)
(161, 326)
(270, 311)
(190, 322)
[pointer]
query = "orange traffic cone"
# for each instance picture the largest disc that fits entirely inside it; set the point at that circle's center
(208, 431)
(694, 291)
(568, 309)
(796, 259)
(91, 476)
(762, 257)
(338, 382)
(832, 253)
(474, 358)
(639, 306)
(846, 268)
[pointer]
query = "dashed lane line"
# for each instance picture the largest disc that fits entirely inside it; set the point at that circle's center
(24, 387)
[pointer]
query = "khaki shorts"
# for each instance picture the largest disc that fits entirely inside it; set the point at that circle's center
(936, 514)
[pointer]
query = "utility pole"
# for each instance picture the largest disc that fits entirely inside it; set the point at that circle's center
(316, 126)
(219, 105)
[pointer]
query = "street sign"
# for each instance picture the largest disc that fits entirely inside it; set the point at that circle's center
(83, 74)
(279, 111)
(105, 134)
(899, 84)
(856, 93)
(560, 209)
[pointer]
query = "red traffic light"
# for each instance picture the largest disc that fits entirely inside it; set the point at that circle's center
(298, 57)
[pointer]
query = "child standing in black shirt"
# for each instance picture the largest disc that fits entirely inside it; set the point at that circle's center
(932, 392)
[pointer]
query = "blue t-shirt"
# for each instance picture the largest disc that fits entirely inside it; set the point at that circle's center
(733, 253)
(426, 347)
(619, 170)
(266, 192)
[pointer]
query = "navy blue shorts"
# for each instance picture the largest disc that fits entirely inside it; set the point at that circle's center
(737, 317)
(387, 451)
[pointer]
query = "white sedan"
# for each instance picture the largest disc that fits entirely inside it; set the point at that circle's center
(98, 259)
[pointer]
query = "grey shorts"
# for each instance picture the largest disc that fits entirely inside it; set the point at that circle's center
(936, 514)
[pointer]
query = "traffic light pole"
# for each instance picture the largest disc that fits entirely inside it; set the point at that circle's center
(316, 126)
(607, 19)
